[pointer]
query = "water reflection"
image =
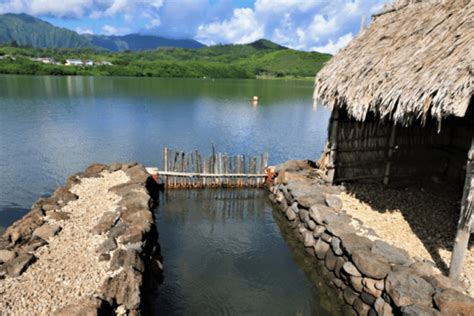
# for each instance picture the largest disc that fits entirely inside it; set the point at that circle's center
(224, 255)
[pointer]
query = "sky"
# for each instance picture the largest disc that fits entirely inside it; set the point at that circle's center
(310, 25)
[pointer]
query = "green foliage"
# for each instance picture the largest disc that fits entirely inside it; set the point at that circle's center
(25, 30)
(262, 59)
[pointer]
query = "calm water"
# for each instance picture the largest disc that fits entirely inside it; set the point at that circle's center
(225, 255)
(51, 127)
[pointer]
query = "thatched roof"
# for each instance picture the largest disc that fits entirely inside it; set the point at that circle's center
(416, 58)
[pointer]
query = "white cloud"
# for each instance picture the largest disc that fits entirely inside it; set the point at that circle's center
(285, 6)
(84, 30)
(113, 30)
(331, 47)
(242, 27)
(320, 25)
(298, 24)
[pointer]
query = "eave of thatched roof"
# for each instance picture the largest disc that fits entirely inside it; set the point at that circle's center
(414, 60)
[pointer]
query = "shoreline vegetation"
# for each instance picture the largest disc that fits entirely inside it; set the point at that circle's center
(258, 60)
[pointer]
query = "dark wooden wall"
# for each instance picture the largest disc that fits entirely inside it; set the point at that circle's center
(363, 149)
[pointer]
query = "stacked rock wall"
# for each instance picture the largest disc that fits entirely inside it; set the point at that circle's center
(374, 277)
(128, 247)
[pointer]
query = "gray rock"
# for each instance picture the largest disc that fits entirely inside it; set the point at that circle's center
(451, 302)
(309, 200)
(119, 229)
(351, 269)
(87, 307)
(19, 264)
(136, 200)
(108, 245)
(59, 215)
(352, 242)
(334, 202)
(309, 239)
(423, 268)
(128, 165)
(339, 225)
(293, 165)
(46, 231)
(105, 223)
(63, 196)
(330, 260)
(321, 248)
(348, 310)
(138, 174)
(349, 295)
(361, 307)
(439, 281)
(382, 308)
(311, 225)
(3, 272)
(126, 258)
(33, 244)
(417, 310)
(326, 237)
(373, 287)
(371, 265)
(125, 188)
(123, 288)
(392, 254)
(320, 214)
(279, 197)
(115, 166)
(6, 255)
(356, 283)
(96, 168)
(290, 214)
(339, 264)
(336, 246)
(406, 288)
(367, 298)
(303, 215)
(318, 231)
(104, 257)
(338, 283)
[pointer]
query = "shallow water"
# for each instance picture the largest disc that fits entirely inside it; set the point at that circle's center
(225, 255)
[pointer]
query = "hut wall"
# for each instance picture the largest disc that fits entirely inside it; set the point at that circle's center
(363, 149)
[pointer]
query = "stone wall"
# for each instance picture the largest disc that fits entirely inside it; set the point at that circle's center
(374, 277)
(128, 241)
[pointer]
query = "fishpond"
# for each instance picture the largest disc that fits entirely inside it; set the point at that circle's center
(224, 250)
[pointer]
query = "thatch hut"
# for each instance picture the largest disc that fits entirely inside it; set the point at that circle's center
(402, 102)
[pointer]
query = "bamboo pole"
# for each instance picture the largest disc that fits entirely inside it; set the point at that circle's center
(465, 220)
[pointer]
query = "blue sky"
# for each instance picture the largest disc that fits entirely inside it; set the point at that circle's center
(312, 25)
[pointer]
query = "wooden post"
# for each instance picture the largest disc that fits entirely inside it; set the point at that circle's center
(333, 144)
(465, 220)
(391, 148)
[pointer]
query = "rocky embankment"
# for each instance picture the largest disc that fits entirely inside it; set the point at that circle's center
(373, 276)
(89, 249)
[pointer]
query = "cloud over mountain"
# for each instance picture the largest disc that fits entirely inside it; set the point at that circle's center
(301, 24)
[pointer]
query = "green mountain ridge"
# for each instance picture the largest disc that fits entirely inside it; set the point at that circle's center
(137, 55)
(26, 30)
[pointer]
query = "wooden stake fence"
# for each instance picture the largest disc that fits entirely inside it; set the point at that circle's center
(192, 170)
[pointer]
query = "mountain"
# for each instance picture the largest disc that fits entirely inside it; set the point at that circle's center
(139, 42)
(30, 31)
(27, 30)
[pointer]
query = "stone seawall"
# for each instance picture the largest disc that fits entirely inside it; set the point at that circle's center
(373, 276)
(91, 248)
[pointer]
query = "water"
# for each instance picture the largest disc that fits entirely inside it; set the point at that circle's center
(51, 127)
(225, 255)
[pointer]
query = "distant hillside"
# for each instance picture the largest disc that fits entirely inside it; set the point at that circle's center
(27, 30)
(139, 42)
